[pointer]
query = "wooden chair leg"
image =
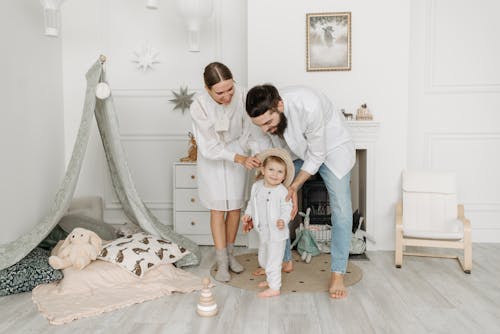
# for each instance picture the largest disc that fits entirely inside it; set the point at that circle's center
(398, 250)
(398, 253)
(467, 262)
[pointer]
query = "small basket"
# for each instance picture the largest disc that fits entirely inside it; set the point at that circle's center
(321, 233)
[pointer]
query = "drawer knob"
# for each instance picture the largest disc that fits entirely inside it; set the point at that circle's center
(193, 177)
(192, 200)
(193, 223)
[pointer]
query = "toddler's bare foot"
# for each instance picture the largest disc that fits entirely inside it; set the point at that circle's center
(337, 288)
(263, 284)
(287, 267)
(269, 293)
(259, 272)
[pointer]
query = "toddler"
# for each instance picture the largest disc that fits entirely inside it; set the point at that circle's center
(269, 214)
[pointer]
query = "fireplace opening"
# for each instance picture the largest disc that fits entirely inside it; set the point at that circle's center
(314, 195)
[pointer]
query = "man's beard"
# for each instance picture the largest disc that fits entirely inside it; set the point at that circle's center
(281, 127)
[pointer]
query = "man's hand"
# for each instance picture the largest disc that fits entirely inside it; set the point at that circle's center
(292, 194)
(247, 223)
(281, 224)
(299, 180)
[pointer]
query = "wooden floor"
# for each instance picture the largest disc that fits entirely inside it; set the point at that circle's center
(425, 296)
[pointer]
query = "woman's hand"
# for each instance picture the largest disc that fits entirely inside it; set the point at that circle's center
(251, 163)
(247, 162)
(247, 223)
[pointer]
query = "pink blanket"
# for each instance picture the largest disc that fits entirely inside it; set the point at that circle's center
(102, 287)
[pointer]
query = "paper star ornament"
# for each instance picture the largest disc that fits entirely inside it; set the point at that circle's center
(182, 99)
(146, 58)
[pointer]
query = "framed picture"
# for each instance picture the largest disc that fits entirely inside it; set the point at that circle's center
(328, 41)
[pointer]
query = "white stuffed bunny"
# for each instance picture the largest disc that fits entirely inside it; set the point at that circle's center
(306, 256)
(306, 215)
(78, 250)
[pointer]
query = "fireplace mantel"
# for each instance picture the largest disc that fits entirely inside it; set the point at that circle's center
(365, 135)
(363, 132)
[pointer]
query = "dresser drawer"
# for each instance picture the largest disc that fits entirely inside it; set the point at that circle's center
(185, 176)
(187, 200)
(192, 223)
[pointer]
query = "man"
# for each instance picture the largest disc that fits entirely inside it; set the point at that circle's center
(305, 123)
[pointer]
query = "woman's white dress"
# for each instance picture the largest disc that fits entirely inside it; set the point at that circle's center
(221, 181)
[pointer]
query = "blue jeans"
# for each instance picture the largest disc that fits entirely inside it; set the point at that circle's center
(339, 192)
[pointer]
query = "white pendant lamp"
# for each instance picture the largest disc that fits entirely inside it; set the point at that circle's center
(52, 16)
(152, 4)
(195, 13)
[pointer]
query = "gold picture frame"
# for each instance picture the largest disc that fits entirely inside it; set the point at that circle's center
(328, 41)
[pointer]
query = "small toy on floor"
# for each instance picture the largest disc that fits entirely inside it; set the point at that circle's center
(306, 257)
(79, 248)
(207, 307)
(306, 244)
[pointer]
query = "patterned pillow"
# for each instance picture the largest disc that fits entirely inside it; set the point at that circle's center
(140, 252)
(31, 271)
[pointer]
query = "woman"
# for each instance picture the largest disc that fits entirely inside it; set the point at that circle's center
(222, 131)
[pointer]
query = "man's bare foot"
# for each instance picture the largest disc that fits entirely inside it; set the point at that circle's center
(337, 288)
(269, 293)
(259, 272)
(287, 267)
(263, 284)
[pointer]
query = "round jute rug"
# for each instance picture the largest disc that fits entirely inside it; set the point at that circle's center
(305, 277)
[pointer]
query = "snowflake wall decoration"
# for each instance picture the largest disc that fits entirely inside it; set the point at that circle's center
(146, 57)
(182, 99)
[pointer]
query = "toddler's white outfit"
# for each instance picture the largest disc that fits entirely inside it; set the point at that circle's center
(266, 206)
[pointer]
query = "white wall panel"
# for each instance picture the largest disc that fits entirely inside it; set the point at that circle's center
(463, 57)
(477, 171)
(151, 115)
(423, 81)
(153, 134)
(379, 77)
(454, 119)
(150, 160)
(164, 30)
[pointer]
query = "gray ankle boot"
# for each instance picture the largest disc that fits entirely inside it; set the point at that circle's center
(222, 274)
(234, 265)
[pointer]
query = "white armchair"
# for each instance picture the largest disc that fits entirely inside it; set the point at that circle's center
(429, 216)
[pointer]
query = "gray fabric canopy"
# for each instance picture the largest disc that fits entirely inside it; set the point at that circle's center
(134, 208)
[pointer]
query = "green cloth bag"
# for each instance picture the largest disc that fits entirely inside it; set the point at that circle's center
(305, 242)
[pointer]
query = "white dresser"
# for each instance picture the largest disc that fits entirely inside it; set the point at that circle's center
(190, 218)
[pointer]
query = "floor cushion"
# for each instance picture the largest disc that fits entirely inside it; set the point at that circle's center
(140, 252)
(32, 270)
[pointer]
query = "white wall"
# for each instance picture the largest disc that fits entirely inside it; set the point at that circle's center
(31, 126)
(379, 77)
(455, 102)
(153, 135)
(423, 122)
